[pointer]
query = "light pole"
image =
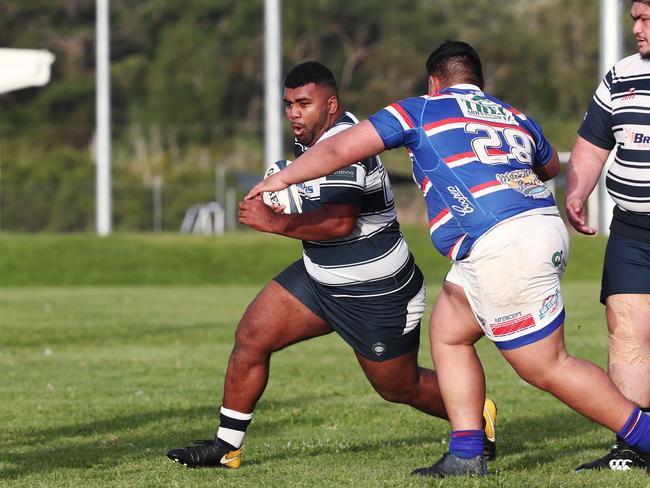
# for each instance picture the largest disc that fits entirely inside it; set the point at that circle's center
(103, 219)
(272, 68)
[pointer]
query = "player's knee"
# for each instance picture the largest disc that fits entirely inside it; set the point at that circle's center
(395, 393)
(395, 396)
(538, 381)
(537, 377)
(247, 341)
(625, 345)
(549, 375)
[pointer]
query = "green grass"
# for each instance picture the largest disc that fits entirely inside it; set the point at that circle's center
(172, 259)
(140, 259)
(98, 382)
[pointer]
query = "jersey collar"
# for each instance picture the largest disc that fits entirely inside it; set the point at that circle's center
(462, 88)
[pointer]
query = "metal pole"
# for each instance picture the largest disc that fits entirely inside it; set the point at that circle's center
(220, 185)
(157, 203)
(273, 150)
(611, 50)
(103, 121)
(230, 209)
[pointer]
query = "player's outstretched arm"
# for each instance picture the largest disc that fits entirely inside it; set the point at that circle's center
(584, 168)
(349, 146)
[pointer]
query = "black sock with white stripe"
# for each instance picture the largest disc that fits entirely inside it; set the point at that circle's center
(232, 427)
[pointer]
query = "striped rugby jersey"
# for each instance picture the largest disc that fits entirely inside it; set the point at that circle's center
(374, 257)
(472, 158)
(619, 116)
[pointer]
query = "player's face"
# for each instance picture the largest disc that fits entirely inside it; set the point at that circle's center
(308, 109)
(640, 13)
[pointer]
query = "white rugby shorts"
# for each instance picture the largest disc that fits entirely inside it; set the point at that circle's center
(512, 279)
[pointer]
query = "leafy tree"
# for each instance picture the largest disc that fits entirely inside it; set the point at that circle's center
(187, 87)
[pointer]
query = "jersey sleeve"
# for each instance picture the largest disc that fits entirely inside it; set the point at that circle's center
(344, 186)
(596, 127)
(543, 148)
(392, 124)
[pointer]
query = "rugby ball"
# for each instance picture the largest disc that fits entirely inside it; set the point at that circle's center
(289, 197)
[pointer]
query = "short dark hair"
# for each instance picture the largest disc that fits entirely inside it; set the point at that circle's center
(646, 2)
(310, 72)
(456, 62)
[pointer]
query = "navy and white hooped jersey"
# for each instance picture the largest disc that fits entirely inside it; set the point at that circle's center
(374, 257)
(473, 158)
(619, 116)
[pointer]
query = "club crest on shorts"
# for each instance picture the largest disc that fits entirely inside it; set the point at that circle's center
(379, 348)
(559, 261)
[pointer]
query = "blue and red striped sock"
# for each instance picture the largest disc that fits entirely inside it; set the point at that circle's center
(466, 443)
(636, 431)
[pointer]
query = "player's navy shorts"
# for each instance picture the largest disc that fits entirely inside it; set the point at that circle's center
(378, 327)
(626, 268)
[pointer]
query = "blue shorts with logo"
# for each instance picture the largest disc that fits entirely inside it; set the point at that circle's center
(626, 268)
(379, 327)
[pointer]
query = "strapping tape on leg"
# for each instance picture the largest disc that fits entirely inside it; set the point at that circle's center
(625, 346)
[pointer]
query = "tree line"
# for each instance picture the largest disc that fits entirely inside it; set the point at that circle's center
(187, 88)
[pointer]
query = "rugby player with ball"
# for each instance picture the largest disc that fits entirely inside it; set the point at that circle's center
(356, 278)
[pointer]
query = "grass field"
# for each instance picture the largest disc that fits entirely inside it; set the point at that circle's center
(98, 382)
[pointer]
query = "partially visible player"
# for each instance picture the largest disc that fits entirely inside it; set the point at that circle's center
(356, 277)
(480, 164)
(618, 119)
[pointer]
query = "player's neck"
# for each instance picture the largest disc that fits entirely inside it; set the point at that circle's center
(331, 120)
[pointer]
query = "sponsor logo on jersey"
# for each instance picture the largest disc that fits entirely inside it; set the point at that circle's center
(631, 93)
(479, 107)
(303, 189)
(638, 138)
(464, 206)
(550, 304)
(559, 261)
(525, 182)
(509, 324)
(343, 174)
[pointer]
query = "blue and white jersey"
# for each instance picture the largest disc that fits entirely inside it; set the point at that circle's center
(374, 257)
(472, 157)
(619, 117)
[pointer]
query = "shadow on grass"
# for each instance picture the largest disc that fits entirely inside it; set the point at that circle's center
(108, 334)
(96, 444)
(546, 438)
(105, 444)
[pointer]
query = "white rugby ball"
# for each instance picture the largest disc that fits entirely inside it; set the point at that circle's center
(289, 197)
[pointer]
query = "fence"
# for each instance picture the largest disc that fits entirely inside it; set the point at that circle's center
(69, 206)
(137, 207)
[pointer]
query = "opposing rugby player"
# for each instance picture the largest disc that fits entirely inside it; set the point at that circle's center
(480, 164)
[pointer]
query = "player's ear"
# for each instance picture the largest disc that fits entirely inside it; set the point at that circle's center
(432, 88)
(332, 104)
